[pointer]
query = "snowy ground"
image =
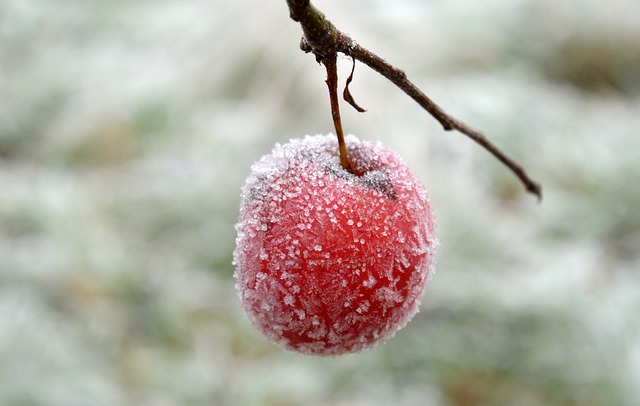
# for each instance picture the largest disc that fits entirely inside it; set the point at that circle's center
(126, 132)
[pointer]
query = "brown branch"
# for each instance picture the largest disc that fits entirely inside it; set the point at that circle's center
(399, 78)
(324, 40)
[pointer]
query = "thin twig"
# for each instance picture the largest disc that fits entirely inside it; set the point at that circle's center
(399, 78)
(324, 40)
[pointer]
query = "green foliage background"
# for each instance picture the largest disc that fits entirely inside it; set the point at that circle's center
(127, 129)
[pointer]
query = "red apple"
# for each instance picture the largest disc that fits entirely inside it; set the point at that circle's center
(327, 261)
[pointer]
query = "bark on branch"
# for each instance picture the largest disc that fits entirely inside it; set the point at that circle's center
(324, 40)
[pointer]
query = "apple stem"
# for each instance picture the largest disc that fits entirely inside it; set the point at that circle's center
(330, 62)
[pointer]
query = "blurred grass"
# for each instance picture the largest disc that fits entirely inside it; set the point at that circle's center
(127, 129)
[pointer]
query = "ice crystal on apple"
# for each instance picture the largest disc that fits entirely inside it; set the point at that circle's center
(328, 261)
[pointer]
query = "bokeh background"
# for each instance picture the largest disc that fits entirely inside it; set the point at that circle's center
(128, 127)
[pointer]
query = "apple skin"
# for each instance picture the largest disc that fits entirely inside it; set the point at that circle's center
(329, 262)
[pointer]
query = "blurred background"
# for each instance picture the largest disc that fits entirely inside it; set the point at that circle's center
(127, 129)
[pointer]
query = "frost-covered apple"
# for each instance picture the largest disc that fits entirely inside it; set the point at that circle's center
(327, 261)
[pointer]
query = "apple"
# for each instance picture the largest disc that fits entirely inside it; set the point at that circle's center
(327, 261)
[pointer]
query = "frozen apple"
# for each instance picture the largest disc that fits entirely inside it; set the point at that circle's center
(328, 261)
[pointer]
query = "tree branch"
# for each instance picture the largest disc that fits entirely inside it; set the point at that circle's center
(324, 40)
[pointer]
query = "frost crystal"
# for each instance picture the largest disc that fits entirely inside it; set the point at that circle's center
(329, 262)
